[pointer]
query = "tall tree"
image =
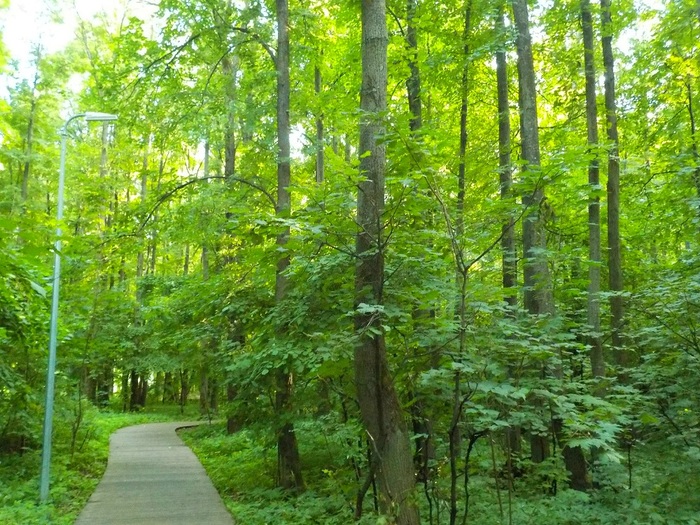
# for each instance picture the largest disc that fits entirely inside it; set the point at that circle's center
(289, 468)
(615, 275)
(538, 300)
(505, 168)
(595, 340)
(509, 270)
(391, 457)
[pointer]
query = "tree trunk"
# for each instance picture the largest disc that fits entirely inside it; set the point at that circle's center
(422, 424)
(509, 264)
(289, 465)
(230, 70)
(538, 298)
(622, 359)
(30, 134)
(168, 388)
(693, 138)
(595, 340)
(232, 424)
(379, 405)
(535, 271)
(320, 158)
(505, 170)
(134, 397)
(463, 131)
(184, 388)
(204, 387)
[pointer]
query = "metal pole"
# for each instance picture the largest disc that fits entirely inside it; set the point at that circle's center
(51, 371)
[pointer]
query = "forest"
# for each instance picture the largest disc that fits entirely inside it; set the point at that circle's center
(425, 261)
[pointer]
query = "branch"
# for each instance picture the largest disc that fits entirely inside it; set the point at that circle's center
(397, 20)
(259, 40)
(177, 188)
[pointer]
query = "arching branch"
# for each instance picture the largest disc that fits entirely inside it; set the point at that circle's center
(259, 40)
(163, 198)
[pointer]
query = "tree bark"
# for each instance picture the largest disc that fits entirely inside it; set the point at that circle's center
(621, 357)
(379, 405)
(413, 84)
(594, 257)
(463, 131)
(229, 67)
(505, 169)
(422, 424)
(320, 158)
(535, 271)
(693, 138)
(29, 144)
(289, 465)
(538, 298)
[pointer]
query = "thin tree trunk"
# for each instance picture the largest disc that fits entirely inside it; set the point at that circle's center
(30, 134)
(505, 169)
(622, 359)
(463, 113)
(421, 422)
(28, 151)
(289, 465)
(413, 84)
(379, 405)
(594, 257)
(535, 270)
(320, 158)
(693, 139)
(229, 67)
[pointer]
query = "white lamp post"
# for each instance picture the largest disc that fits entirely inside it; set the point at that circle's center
(51, 371)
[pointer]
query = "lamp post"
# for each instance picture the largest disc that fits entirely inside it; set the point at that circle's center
(89, 116)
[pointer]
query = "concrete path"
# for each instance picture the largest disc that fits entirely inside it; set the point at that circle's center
(153, 477)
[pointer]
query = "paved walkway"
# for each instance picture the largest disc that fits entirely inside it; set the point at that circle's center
(153, 477)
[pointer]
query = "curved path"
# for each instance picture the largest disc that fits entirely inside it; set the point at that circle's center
(153, 477)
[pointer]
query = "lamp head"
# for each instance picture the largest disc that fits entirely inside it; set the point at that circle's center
(91, 116)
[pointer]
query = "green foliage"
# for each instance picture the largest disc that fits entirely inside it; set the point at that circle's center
(169, 259)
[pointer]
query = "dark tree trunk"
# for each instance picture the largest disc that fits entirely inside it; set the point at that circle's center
(622, 358)
(693, 139)
(320, 157)
(134, 383)
(463, 114)
(289, 465)
(204, 388)
(535, 271)
(213, 394)
(104, 386)
(509, 256)
(594, 256)
(125, 391)
(184, 388)
(422, 425)
(168, 388)
(229, 66)
(505, 170)
(232, 424)
(379, 405)
(29, 139)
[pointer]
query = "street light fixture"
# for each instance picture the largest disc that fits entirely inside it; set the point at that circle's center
(90, 116)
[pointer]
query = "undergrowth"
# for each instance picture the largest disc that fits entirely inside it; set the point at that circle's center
(242, 468)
